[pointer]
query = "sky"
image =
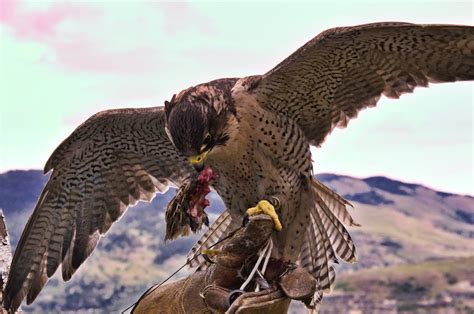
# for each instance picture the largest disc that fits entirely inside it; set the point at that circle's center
(61, 62)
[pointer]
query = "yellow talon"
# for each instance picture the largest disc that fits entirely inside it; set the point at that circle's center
(210, 252)
(265, 207)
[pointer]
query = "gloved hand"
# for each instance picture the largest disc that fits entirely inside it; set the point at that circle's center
(215, 290)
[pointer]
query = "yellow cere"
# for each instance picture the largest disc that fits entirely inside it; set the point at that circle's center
(198, 158)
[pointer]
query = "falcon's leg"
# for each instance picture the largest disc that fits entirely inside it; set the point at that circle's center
(210, 252)
(265, 207)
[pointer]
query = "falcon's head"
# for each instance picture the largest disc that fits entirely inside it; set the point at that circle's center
(200, 118)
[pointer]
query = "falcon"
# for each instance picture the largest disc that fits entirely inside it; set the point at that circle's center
(254, 133)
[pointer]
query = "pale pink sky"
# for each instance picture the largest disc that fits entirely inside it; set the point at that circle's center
(61, 62)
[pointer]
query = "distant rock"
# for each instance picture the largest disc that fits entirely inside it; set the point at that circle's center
(428, 287)
(464, 216)
(370, 198)
(394, 245)
(401, 223)
(392, 186)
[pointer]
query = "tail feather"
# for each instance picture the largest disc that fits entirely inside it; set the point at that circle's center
(317, 257)
(325, 254)
(215, 232)
(326, 238)
(316, 252)
(336, 203)
(340, 239)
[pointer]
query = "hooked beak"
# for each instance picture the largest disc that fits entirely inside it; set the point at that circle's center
(198, 161)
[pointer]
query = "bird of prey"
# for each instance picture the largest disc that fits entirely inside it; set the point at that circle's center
(254, 133)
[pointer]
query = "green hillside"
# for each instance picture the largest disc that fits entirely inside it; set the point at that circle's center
(441, 286)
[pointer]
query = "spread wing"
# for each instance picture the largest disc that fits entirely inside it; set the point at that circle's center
(343, 70)
(110, 162)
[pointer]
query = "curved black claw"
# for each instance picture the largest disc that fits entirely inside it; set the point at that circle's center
(245, 220)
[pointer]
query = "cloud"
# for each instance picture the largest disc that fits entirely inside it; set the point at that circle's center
(79, 38)
(182, 16)
(37, 24)
(104, 38)
(7, 9)
(86, 55)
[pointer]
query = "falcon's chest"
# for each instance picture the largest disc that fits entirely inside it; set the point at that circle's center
(266, 156)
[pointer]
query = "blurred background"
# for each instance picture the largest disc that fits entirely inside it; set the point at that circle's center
(407, 166)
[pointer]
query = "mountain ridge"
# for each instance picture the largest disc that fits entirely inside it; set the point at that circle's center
(402, 223)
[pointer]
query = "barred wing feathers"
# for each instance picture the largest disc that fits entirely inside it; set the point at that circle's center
(344, 70)
(217, 231)
(110, 162)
